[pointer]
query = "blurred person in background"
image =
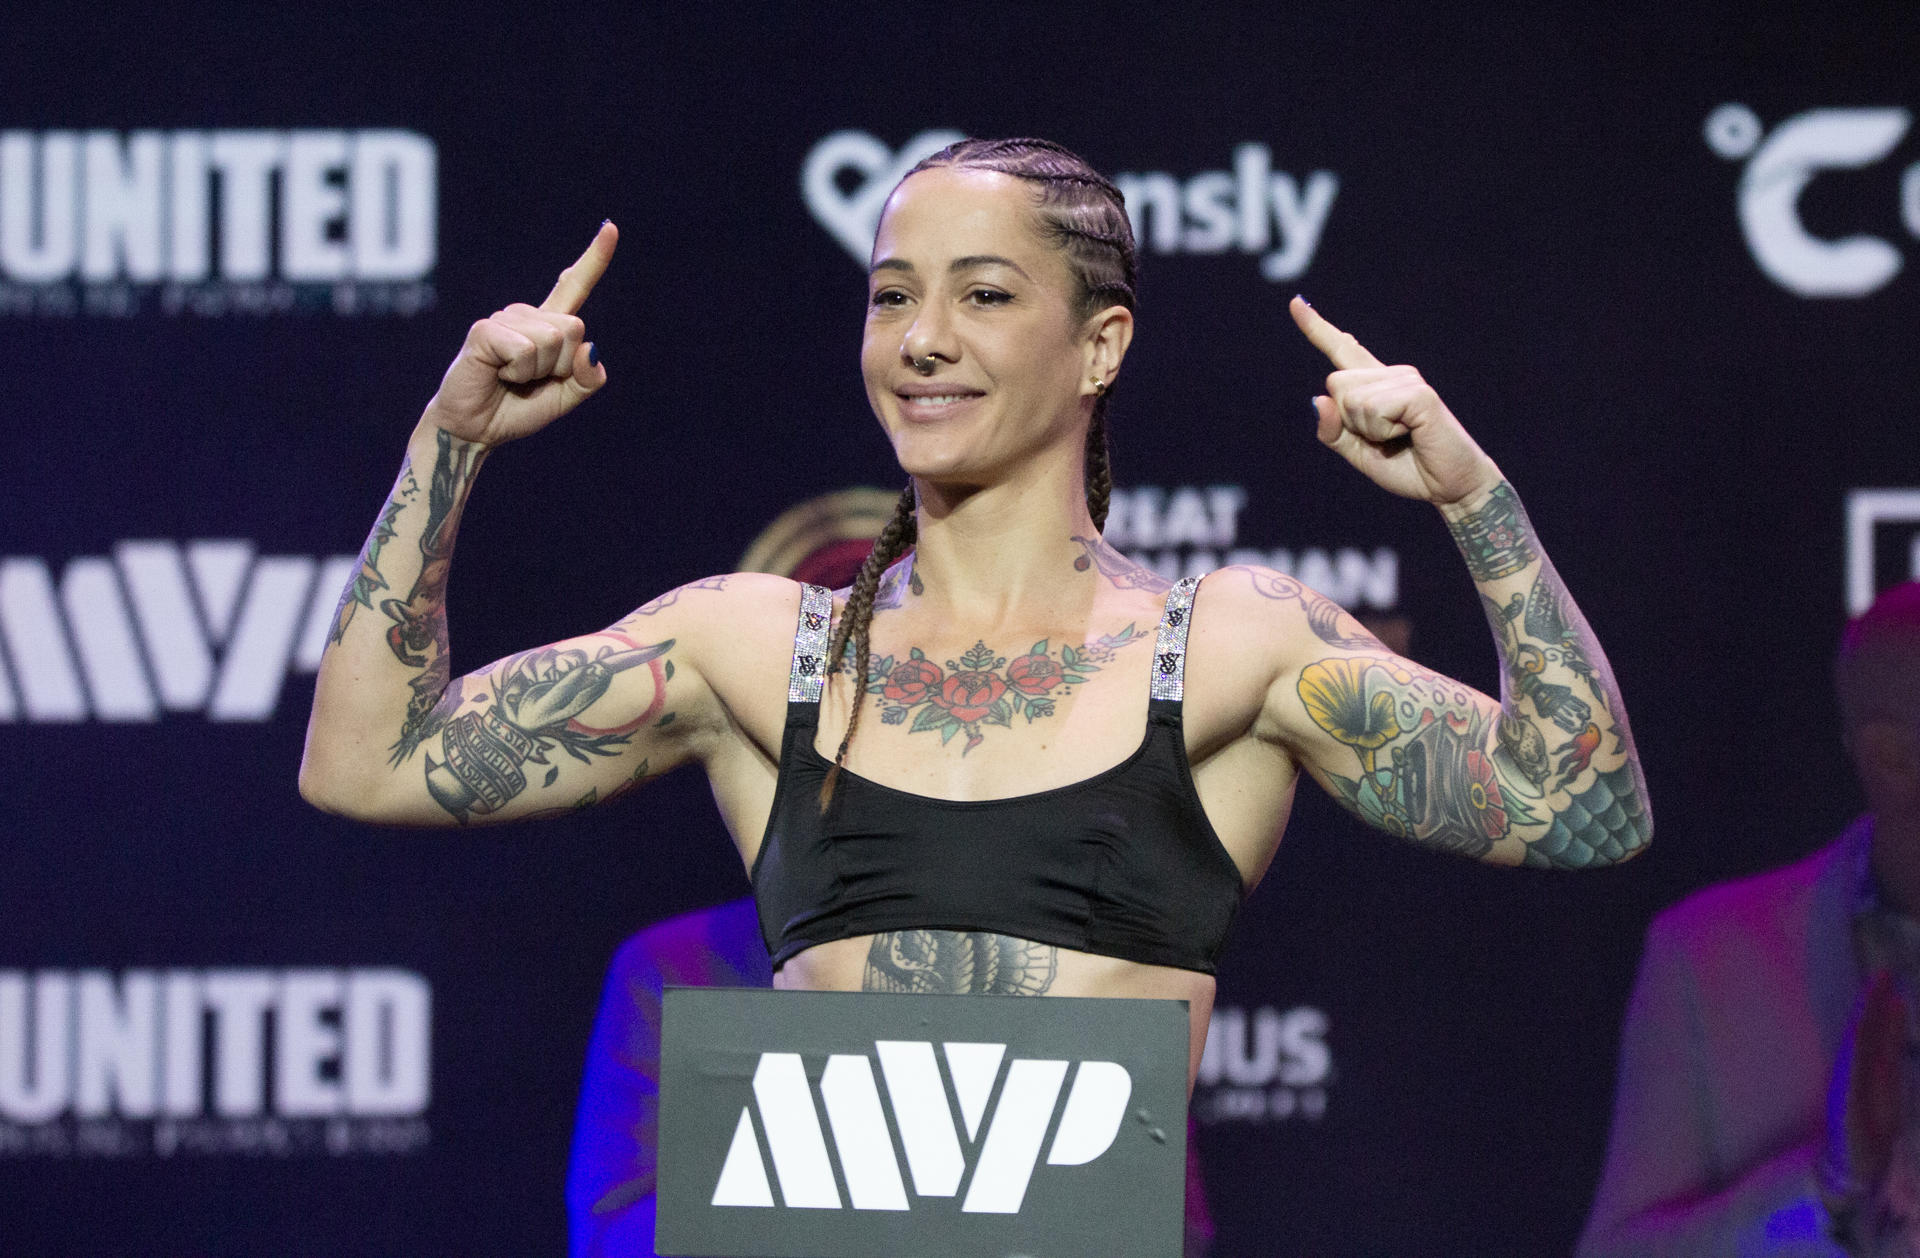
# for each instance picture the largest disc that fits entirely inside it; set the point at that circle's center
(1734, 1036)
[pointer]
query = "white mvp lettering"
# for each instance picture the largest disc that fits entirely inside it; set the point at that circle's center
(122, 639)
(1095, 1104)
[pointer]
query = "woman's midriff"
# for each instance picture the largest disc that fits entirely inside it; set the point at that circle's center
(851, 965)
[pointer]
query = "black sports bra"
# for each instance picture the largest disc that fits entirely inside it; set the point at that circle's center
(1122, 864)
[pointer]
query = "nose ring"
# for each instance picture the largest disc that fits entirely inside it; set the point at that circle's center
(924, 365)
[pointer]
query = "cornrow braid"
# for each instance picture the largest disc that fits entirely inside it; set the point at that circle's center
(1099, 466)
(1082, 214)
(894, 541)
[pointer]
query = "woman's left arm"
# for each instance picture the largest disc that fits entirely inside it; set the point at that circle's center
(1548, 774)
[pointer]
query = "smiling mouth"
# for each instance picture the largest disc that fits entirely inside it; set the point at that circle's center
(937, 399)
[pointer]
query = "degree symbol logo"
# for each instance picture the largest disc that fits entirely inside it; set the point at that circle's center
(1780, 165)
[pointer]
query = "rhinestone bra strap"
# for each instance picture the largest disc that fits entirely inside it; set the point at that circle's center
(1170, 648)
(809, 674)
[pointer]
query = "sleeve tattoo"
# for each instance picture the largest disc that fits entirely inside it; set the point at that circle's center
(1553, 766)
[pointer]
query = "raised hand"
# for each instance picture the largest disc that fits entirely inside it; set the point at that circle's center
(1389, 423)
(525, 366)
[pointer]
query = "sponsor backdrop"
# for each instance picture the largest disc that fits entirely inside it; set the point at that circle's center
(1661, 269)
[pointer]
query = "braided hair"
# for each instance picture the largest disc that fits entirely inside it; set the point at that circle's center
(1082, 214)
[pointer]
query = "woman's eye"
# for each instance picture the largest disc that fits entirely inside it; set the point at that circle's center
(888, 298)
(989, 297)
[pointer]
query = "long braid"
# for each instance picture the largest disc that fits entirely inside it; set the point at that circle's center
(856, 622)
(1085, 217)
(1099, 474)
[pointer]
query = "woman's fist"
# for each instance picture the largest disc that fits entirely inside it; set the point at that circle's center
(525, 366)
(1389, 423)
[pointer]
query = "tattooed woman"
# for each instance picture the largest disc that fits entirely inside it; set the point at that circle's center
(1033, 765)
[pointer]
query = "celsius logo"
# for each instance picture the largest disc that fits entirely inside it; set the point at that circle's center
(122, 639)
(1191, 530)
(219, 221)
(185, 1044)
(1264, 1065)
(1252, 208)
(1780, 165)
(923, 1126)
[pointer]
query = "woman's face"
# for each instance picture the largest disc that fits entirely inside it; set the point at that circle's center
(961, 276)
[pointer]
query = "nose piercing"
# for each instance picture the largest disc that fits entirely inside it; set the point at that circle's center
(924, 365)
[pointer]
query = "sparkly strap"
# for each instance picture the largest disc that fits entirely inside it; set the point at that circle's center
(809, 673)
(1170, 648)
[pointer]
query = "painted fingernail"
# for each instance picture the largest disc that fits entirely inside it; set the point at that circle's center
(1302, 299)
(593, 354)
(605, 221)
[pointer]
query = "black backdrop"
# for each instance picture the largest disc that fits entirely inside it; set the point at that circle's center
(1531, 209)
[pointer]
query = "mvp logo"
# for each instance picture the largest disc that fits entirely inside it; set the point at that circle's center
(207, 627)
(923, 1121)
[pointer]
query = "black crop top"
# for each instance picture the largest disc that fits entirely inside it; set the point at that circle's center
(1122, 864)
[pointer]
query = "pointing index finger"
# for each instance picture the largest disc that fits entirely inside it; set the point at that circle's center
(1338, 346)
(571, 289)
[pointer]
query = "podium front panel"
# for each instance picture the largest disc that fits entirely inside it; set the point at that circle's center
(879, 1125)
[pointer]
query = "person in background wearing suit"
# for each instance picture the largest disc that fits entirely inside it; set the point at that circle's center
(1741, 1009)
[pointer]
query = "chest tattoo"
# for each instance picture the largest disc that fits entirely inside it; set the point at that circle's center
(984, 688)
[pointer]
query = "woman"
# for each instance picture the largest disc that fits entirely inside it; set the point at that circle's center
(1061, 774)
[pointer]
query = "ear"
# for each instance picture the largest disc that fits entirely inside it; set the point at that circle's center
(1886, 754)
(1107, 336)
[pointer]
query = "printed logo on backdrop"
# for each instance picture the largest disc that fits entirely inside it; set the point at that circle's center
(163, 1063)
(1264, 1066)
(1007, 1155)
(213, 223)
(1883, 543)
(1779, 166)
(1187, 530)
(1247, 207)
(206, 627)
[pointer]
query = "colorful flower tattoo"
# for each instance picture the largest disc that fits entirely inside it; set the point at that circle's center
(982, 688)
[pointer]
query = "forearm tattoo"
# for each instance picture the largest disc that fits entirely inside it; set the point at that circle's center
(1552, 767)
(1495, 539)
(418, 635)
(958, 963)
(367, 580)
(534, 708)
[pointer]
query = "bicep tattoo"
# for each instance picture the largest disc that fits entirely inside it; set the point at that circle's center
(534, 709)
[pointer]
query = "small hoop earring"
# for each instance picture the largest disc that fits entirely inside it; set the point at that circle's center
(1099, 385)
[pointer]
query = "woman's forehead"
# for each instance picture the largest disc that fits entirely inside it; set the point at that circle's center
(953, 212)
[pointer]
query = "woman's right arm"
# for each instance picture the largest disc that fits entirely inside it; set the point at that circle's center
(394, 736)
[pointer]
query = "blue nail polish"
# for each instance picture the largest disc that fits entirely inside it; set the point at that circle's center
(593, 354)
(1303, 300)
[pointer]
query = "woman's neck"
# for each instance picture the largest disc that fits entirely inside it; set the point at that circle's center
(1004, 553)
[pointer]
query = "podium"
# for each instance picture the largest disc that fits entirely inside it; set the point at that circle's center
(879, 1125)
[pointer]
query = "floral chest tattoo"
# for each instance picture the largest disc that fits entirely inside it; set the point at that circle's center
(983, 687)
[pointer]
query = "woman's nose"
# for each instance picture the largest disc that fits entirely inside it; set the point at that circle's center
(929, 336)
